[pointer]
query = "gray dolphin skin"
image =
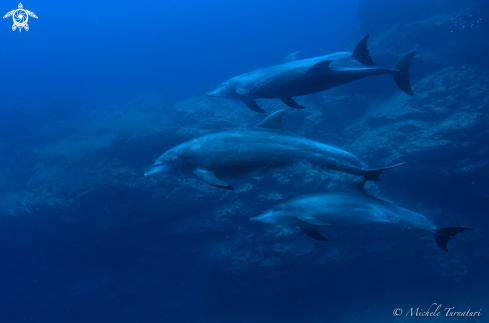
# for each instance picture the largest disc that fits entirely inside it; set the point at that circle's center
(353, 206)
(266, 148)
(302, 77)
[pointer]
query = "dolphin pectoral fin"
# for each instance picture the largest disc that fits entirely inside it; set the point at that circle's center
(443, 235)
(373, 174)
(210, 178)
(313, 233)
(291, 103)
(292, 57)
(361, 53)
(320, 67)
(253, 106)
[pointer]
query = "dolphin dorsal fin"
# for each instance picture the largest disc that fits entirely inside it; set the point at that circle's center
(361, 53)
(273, 121)
(358, 187)
(319, 67)
(292, 57)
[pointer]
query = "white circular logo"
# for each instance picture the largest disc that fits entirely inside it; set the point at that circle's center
(20, 18)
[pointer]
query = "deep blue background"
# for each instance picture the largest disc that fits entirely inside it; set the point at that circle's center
(111, 259)
(108, 51)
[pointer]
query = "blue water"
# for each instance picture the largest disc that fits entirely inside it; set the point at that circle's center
(95, 51)
(94, 92)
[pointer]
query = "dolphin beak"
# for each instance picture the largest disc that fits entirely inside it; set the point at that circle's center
(212, 94)
(154, 171)
(263, 217)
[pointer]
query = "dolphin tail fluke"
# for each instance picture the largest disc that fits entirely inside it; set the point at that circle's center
(373, 174)
(401, 72)
(443, 235)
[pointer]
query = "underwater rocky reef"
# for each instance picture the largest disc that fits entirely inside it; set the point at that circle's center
(72, 179)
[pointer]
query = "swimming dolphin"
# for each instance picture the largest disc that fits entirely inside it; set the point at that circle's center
(266, 148)
(302, 77)
(354, 206)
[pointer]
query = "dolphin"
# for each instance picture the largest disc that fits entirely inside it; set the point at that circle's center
(301, 77)
(353, 206)
(266, 148)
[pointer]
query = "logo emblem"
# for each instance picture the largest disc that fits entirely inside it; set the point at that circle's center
(20, 17)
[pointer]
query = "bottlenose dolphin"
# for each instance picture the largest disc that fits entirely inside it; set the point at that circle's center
(296, 78)
(266, 148)
(353, 206)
